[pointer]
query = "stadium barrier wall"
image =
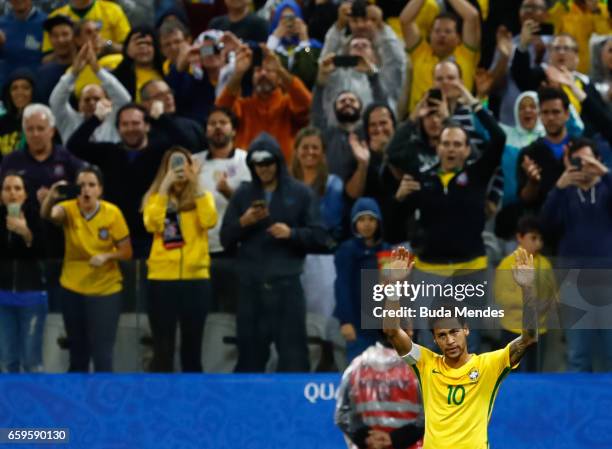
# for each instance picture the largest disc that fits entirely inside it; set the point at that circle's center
(112, 411)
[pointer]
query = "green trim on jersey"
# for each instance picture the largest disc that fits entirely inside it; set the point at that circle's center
(501, 377)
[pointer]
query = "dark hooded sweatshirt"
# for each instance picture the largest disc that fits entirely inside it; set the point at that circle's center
(261, 256)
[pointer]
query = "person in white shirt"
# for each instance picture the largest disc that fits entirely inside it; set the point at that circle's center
(111, 91)
(224, 168)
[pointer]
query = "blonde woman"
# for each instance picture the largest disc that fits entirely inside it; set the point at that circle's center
(179, 213)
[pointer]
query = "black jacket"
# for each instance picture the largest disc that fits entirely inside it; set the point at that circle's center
(262, 256)
(452, 219)
(22, 268)
(128, 174)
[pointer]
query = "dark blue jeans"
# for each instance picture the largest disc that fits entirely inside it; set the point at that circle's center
(21, 333)
(272, 312)
(91, 325)
(185, 303)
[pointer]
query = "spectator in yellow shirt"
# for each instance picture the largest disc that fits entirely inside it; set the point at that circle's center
(509, 296)
(179, 213)
(96, 237)
(114, 23)
(581, 18)
(444, 43)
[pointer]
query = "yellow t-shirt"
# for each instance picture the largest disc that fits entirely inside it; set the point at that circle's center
(87, 238)
(143, 76)
(581, 24)
(110, 15)
(424, 61)
(509, 296)
(458, 401)
(87, 75)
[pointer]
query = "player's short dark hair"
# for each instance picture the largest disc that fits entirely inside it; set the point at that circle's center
(581, 142)
(552, 93)
(527, 224)
(446, 307)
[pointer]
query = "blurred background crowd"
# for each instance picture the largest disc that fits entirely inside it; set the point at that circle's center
(215, 174)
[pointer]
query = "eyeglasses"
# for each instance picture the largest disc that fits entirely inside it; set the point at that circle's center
(564, 48)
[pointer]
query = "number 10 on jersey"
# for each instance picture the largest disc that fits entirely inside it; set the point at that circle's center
(456, 394)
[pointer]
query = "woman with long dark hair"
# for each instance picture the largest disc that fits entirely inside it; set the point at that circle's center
(142, 61)
(23, 299)
(179, 213)
(96, 237)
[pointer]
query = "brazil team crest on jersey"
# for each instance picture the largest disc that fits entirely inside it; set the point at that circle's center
(474, 375)
(103, 233)
(462, 179)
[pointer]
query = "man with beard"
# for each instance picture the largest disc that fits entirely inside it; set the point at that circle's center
(346, 156)
(224, 168)
(130, 165)
(279, 105)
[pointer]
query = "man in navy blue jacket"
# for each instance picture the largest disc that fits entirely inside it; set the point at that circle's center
(274, 222)
(579, 208)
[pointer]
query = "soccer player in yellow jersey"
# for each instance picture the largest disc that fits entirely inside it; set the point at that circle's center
(459, 388)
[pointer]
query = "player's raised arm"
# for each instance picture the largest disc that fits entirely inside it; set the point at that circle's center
(397, 270)
(524, 275)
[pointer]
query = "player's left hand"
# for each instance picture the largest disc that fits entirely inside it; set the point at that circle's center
(523, 268)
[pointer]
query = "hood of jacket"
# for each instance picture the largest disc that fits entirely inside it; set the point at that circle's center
(518, 136)
(293, 40)
(19, 74)
(265, 142)
(366, 206)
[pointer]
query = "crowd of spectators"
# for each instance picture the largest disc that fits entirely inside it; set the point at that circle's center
(259, 155)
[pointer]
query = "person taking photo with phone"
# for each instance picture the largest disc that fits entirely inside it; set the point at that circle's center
(97, 237)
(23, 296)
(179, 213)
(273, 221)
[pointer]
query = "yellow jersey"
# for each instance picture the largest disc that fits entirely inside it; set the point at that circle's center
(192, 259)
(458, 401)
(424, 61)
(114, 23)
(86, 238)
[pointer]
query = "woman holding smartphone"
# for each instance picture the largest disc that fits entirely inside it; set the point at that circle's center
(96, 236)
(23, 299)
(179, 213)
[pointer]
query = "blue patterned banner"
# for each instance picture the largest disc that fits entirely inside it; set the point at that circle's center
(560, 411)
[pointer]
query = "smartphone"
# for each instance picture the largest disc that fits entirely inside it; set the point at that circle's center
(259, 203)
(546, 29)
(207, 50)
(13, 209)
(257, 56)
(69, 191)
(346, 61)
(435, 94)
(576, 162)
(177, 161)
